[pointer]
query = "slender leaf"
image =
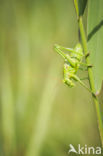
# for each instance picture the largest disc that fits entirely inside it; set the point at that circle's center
(44, 113)
(82, 5)
(100, 98)
(95, 39)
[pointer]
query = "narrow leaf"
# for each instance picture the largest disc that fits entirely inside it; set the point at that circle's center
(100, 98)
(82, 5)
(95, 39)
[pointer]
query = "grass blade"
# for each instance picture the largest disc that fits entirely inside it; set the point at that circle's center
(8, 112)
(95, 39)
(82, 5)
(43, 114)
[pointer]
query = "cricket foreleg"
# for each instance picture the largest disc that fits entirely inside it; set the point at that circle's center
(86, 65)
(88, 54)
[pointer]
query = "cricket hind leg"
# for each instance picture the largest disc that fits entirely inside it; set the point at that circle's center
(83, 84)
(83, 69)
(84, 78)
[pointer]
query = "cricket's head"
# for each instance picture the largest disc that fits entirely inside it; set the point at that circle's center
(79, 52)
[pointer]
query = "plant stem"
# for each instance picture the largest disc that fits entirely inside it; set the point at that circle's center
(90, 73)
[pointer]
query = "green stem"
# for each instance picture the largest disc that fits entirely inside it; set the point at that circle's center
(90, 73)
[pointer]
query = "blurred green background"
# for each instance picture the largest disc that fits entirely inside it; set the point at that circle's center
(39, 115)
